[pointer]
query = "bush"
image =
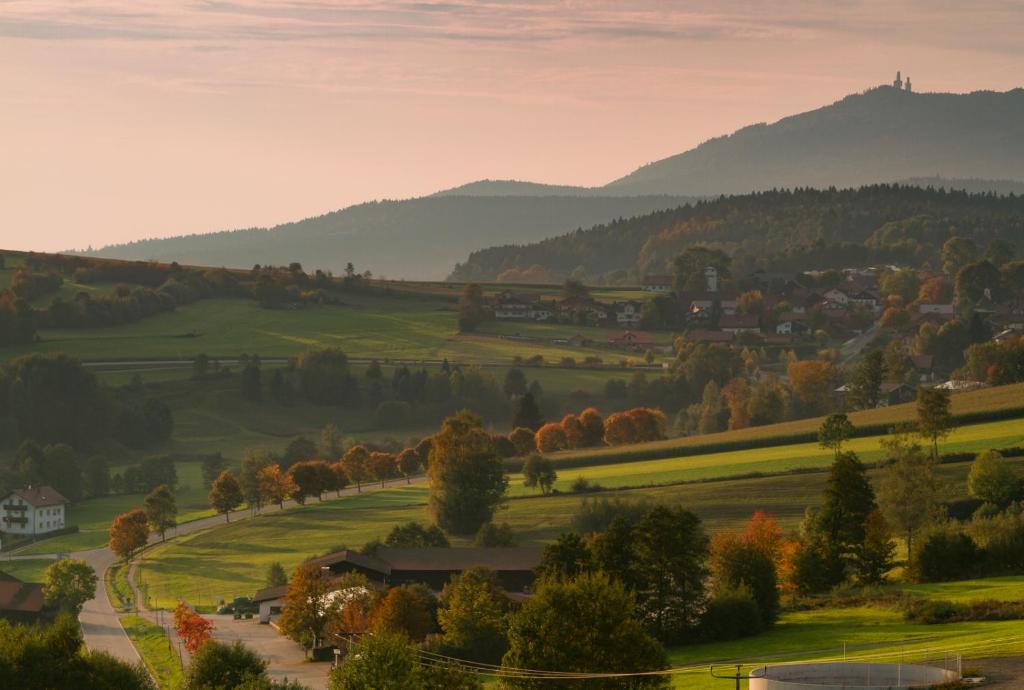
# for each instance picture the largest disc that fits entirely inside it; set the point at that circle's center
(731, 614)
(582, 485)
(946, 555)
(392, 414)
(595, 514)
(938, 611)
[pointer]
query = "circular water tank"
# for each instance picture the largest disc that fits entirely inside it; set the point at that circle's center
(848, 676)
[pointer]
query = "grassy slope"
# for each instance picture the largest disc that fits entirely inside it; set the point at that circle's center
(237, 556)
(997, 398)
(93, 516)
(800, 456)
(152, 644)
(369, 326)
(28, 570)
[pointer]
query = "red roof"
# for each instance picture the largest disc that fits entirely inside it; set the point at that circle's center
(709, 337)
(26, 597)
(632, 337)
(739, 321)
(41, 496)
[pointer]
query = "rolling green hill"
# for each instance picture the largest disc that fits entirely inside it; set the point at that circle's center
(413, 238)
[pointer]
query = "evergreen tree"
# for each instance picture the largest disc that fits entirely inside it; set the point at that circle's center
(526, 414)
(849, 500)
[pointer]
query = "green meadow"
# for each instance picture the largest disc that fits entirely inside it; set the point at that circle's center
(159, 656)
(367, 326)
(93, 516)
(237, 555)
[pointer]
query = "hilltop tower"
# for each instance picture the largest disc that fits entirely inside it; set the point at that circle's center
(907, 87)
(898, 84)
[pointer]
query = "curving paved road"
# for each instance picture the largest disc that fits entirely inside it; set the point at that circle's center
(100, 625)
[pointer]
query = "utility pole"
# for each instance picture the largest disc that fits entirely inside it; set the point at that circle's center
(738, 676)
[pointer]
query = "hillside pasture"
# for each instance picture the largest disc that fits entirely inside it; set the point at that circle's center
(971, 402)
(771, 459)
(366, 326)
(239, 553)
(94, 515)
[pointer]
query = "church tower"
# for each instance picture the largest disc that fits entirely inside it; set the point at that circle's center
(898, 84)
(908, 85)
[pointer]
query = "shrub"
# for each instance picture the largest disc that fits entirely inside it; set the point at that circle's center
(946, 555)
(731, 614)
(582, 485)
(937, 611)
(595, 514)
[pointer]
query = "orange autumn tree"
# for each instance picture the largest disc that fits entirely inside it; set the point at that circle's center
(750, 558)
(573, 429)
(551, 437)
(193, 629)
(128, 533)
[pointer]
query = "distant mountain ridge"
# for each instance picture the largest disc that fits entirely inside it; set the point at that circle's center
(969, 141)
(881, 135)
(414, 238)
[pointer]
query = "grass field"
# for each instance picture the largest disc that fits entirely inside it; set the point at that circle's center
(772, 459)
(93, 516)
(156, 651)
(237, 555)
(368, 326)
(1008, 588)
(28, 570)
(869, 633)
(985, 399)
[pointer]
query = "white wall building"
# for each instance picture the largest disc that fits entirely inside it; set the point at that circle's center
(35, 510)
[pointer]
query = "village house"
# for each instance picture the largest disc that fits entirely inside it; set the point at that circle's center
(658, 284)
(791, 323)
(740, 323)
(33, 511)
(510, 306)
(631, 339)
(627, 313)
(709, 337)
(20, 602)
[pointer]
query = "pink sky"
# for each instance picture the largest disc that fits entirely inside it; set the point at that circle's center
(124, 119)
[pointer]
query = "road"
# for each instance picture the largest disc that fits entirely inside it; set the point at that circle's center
(103, 632)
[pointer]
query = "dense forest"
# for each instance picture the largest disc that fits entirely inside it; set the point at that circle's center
(775, 231)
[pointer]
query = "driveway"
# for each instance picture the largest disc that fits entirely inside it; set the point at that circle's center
(286, 659)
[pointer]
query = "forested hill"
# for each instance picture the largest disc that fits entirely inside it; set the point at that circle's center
(414, 238)
(774, 230)
(882, 135)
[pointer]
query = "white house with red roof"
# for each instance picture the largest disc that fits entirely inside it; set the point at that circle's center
(31, 511)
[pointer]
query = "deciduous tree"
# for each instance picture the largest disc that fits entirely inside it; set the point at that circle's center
(540, 472)
(161, 509)
(908, 490)
(68, 584)
(551, 438)
(225, 494)
(467, 480)
(308, 606)
(128, 533)
(834, 432)
(356, 462)
(934, 419)
(275, 485)
(474, 616)
(587, 625)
